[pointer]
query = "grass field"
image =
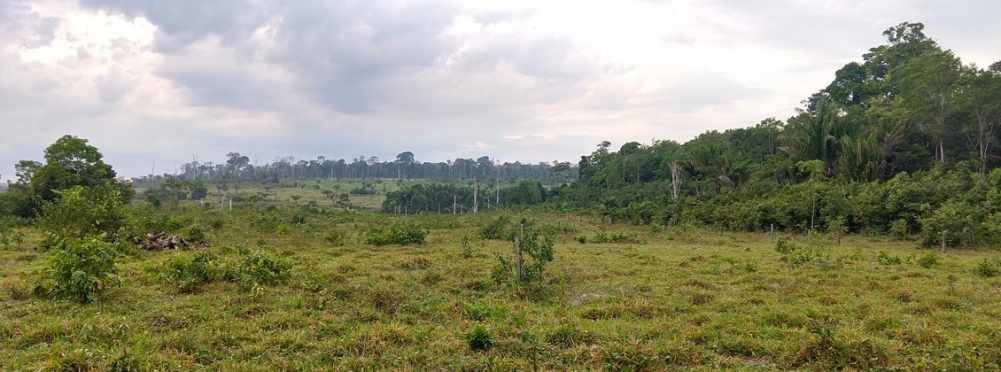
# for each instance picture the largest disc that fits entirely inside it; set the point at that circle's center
(665, 298)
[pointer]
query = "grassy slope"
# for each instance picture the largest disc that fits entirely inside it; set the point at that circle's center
(688, 298)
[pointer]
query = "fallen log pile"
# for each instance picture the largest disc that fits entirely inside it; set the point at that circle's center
(159, 242)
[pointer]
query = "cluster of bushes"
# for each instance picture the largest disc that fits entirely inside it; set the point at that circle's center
(497, 229)
(190, 272)
(602, 237)
(398, 233)
(949, 198)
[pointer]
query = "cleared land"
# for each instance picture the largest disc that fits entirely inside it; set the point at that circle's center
(665, 298)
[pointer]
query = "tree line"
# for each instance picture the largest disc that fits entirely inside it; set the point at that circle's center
(404, 166)
(903, 141)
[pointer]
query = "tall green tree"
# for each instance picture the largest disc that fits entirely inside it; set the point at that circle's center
(69, 162)
(927, 86)
(980, 95)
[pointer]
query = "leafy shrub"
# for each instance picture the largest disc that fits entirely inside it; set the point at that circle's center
(536, 252)
(263, 268)
(190, 273)
(81, 212)
(145, 219)
(217, 224)
(829, 352)
(402, 234)
(7, 237)
(784, 245)
(618, 237)
(80, 270)
(885, 259)
(799, 256)
(52, 242)
(961, 221)
(467, 249)
(987, 269)
(581, 239)
(928, 260)
(336, 238)
(174, 224)
(497, 229)
(194, 234)
(502, 270)
(480, 312)
(479, 338)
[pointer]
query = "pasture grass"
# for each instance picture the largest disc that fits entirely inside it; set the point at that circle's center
(673, 298)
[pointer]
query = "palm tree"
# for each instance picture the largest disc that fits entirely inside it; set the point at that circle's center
(818, 135)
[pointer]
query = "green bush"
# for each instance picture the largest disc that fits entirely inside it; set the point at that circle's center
(799, 256)
(217, 224)
(143, 219)
(400, 233)
(928, 260)
(785, 246)
(80, 270)
(479, 338)
(987, 269)
(618, 237)
(497, 229)
(263, 268)
(886, 259)
(536, 252)
(52, 241)
(81, 212)
(336, 238)
(189, 273)
(194, 234)
(480, 311)
(467, 249)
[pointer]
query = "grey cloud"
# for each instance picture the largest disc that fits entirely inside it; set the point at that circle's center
(113, 85)
(339, 52)
(550, 59)
(182, 22)
(702, 91)
(215, 84)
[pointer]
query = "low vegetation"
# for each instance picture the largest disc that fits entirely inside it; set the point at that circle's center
(687, 298)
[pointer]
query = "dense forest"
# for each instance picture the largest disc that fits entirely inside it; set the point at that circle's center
(901, 142)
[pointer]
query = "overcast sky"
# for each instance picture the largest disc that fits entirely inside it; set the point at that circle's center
(157, 82)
